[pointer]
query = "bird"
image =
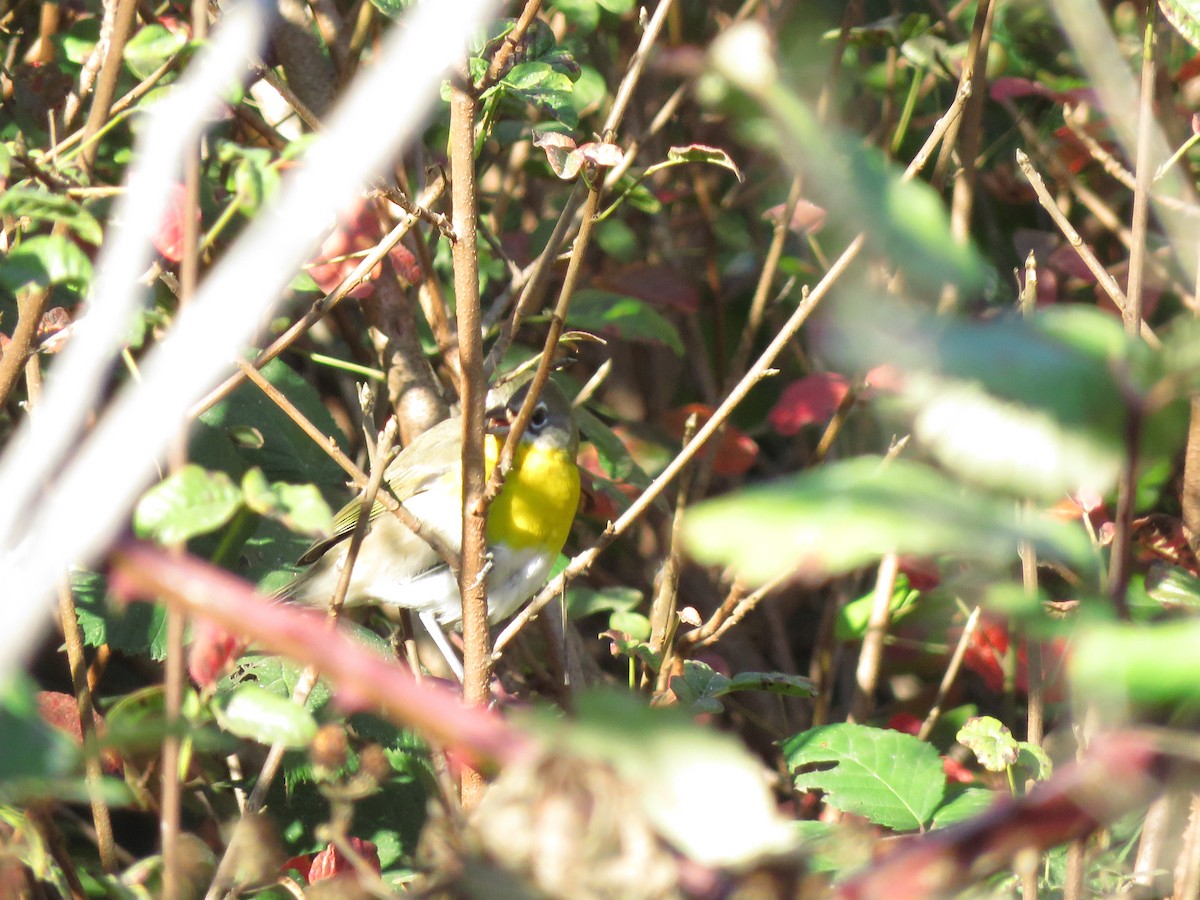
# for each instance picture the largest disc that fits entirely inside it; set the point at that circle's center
(527, 527)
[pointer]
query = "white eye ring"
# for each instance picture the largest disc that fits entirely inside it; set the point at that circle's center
(540, 417)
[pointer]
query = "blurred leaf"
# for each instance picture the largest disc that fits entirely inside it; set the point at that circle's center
(992, 743)
(393, 9)
(584, 14)
(45, 260)
(31, 748)
(891, 778)
(253, 712)
(627, 318)
(40, 206)
(664, 756)
(1174, 586)
(981, 399)
(585, 601)
(1185, 16)
(844, 515)
(191, 502)
(1144, 663)
(853, 618)
(906, 219)
(962, 803)
(149, 47)
(298, 506)
(630, 623)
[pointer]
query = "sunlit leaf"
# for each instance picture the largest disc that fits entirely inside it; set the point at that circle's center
(891, 778)
(990, 741)
(844, 515)
(256, 713)
(188, 503)
(298, 506)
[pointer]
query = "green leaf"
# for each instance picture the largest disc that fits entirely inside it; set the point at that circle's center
(39, 205)
(845, 515)
(611, 450)
(853, 618)
(990, 741)
(700, 153)
(889, 777)
(1145, 663)
(1174, 586)
(630, 623)
(698, 688)
(286, 454)
(772, 683)
(961, 804)
(300, 507)
(150, 47)
(628, 318)
(1185, 16)
(585, 601)
(979, 392)
(254, 712)
(393, 9)
(583, 14)
(31, 749)
(191, 502)
(45, 260)
(136, 629)
(1032, 762)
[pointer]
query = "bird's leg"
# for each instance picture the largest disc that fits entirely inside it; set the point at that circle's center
(429, 620)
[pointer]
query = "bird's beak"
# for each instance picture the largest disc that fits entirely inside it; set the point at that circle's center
(497, 421)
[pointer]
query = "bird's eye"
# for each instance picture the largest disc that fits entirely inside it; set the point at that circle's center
(540, 417)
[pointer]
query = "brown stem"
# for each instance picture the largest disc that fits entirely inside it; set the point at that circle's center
(504, 54)
(962, 201)
(106, 81)
(30, 305)
(477, 663)
(87, 722)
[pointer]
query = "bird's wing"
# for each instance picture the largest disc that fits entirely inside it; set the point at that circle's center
(418, 467)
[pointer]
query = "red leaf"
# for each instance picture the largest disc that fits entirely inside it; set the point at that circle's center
(923, 573)
(812, 399)
(957, 772)
(807, 218)
(302, 864)
(61, 711)
(331, 862)
(985, 654)
(357, 233)
(735, 454)
(168, 239)
(660, 285)
(212, 653)
(905, 722)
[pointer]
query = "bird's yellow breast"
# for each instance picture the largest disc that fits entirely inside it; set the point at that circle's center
(539, 499)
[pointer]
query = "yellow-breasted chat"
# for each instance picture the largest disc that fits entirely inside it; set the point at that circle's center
(527, 524)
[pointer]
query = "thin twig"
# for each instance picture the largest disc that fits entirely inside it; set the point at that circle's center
(951, 673)
(1103, 276)
(871, 654)
(1143, 176)
(725, 619)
